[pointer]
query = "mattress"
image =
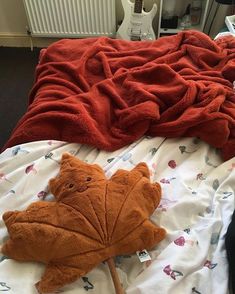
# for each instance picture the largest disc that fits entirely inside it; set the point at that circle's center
(196, 208)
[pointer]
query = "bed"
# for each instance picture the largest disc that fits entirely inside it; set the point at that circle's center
(187, 142)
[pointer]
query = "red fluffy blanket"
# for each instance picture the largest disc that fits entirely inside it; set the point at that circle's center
(108, 93)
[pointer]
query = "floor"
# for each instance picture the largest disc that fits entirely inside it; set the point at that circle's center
(17, 66)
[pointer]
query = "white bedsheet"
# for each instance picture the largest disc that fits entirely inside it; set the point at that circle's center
(196, 208)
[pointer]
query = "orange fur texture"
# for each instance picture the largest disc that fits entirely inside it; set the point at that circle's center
(92, 219)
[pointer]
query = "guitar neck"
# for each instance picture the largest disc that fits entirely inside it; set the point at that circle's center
(138, 6)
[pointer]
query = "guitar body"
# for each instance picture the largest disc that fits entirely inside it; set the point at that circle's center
(136, 25)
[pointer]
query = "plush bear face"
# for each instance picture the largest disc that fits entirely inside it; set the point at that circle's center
(75, 177)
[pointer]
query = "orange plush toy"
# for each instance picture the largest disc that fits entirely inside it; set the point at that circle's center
(92, 220)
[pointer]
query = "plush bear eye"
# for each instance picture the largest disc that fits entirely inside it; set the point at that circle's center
(88, 179)
(71, 186)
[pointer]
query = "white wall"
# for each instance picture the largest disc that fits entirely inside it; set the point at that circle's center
(12, 17)
(13, 26)
(13, 22)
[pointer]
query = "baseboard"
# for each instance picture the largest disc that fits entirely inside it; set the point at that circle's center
(23, 40)
(14, 40)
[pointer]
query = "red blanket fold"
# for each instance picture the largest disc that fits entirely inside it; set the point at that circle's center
(108, 93)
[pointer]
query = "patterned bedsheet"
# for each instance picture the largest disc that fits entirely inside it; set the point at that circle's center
(196, 208)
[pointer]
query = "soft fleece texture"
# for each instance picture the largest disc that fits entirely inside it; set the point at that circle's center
(92, 220)
(108, 92)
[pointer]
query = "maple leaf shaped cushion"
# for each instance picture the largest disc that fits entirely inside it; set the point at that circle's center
(92, 219)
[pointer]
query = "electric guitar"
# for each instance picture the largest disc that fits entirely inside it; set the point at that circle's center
(137, 24)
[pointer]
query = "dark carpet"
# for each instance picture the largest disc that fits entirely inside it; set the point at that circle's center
(17, 66)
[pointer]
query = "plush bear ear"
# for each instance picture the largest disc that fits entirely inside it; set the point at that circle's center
(69, 160)
(66, 161)
(66, 156)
